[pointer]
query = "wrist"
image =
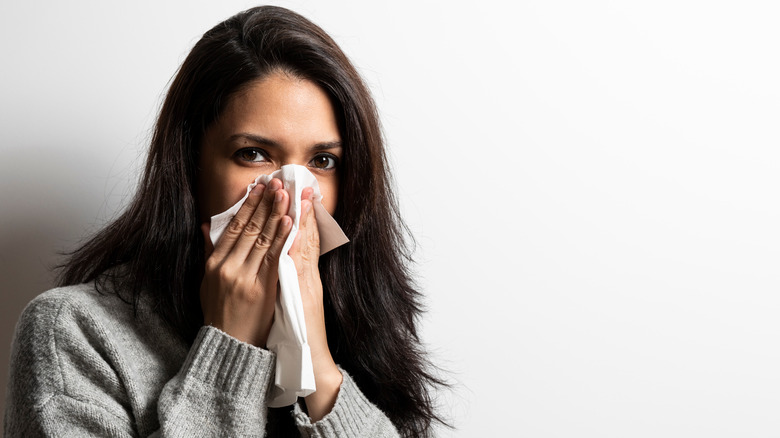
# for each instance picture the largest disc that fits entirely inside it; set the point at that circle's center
(328, 377)
(321, 402)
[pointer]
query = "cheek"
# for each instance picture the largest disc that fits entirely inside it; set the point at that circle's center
(220, 191)
(229, 192)
(329, 191)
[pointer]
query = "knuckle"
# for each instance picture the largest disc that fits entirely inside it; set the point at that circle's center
(225, 272)
(244, 288)
(235, 226)
(262, 242)
(212, 264)
(240, 284)
(252, 228)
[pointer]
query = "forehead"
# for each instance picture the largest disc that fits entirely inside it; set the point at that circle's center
(283, 105)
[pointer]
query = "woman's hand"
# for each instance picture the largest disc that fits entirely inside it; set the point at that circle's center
(238, 292)
(305, 252)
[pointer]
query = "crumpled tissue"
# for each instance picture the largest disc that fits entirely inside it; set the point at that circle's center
(287, 338)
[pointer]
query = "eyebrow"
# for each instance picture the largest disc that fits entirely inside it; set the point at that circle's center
(274, 144)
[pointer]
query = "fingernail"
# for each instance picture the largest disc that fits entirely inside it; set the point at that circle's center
(258, 189)
(278, 196)
(306, 208)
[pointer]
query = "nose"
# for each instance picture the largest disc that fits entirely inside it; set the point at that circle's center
(293, 160)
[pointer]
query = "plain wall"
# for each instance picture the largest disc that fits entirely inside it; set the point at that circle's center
(593, 187)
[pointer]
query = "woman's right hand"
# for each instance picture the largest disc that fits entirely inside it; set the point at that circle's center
(238, 292)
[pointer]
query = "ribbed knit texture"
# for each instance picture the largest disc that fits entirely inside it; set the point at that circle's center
(82, 364)
(351, 416)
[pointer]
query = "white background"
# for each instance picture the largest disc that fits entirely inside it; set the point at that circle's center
(593, 187)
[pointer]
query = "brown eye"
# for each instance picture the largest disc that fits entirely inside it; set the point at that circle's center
(252, 155)
(323, 162)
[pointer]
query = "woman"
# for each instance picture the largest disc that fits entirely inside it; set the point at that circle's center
(158, 332)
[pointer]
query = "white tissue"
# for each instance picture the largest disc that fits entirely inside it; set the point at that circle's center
(287, 338)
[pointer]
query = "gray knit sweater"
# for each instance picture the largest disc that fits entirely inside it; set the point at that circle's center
(84, 365)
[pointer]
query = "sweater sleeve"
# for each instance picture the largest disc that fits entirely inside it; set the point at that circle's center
(219, 391)
(353, 415)
(81, 365)
(69, 379)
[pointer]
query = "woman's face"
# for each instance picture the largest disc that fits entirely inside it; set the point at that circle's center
(277, 120)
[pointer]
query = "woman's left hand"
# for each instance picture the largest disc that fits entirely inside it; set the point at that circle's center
(305, 252)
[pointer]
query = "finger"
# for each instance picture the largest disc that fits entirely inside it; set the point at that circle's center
(261, 229)
(307, 193)
(294, 251)
(236, 227)
(205, 228)
(270, 257)
(296, 245)
(312, 232)
(307, 238)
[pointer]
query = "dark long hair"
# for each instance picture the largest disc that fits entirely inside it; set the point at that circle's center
(372, 304)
